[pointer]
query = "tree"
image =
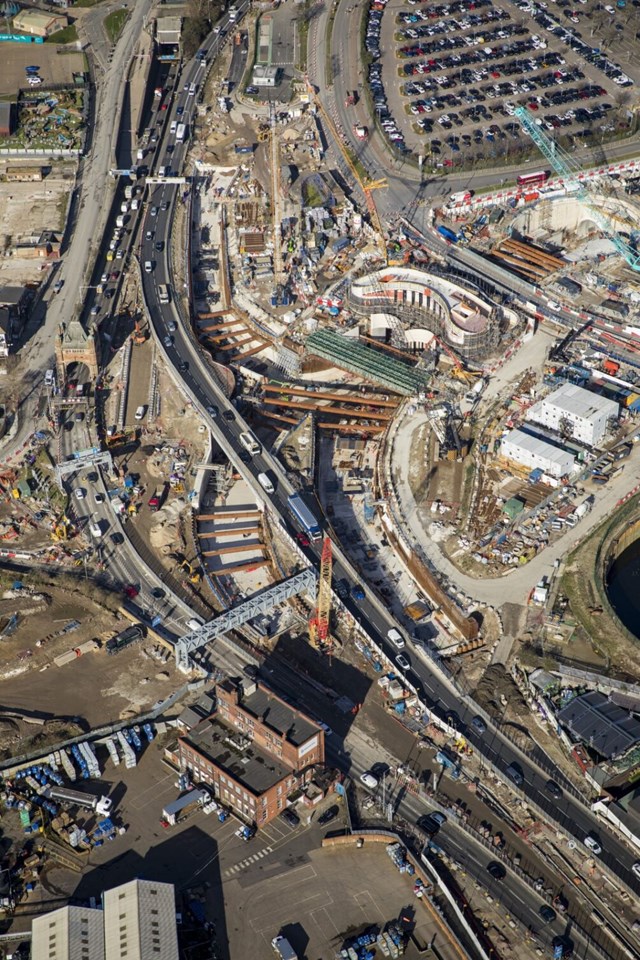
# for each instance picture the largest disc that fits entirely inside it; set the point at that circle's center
(197, 23)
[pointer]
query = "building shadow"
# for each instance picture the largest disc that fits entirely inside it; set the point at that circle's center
(189, 859)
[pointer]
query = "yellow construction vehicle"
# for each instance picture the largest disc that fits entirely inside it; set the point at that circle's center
(467, 376)
(61, 529)
(193, 574)
(138, 335)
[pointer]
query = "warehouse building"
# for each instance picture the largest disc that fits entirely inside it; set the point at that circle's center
(254, 751)
(575, 412)
(137, 922)
(39, 24)
(528, 449)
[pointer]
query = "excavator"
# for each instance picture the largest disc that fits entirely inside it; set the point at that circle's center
(193, 574)
(138, 335)
(459, 371)
(62, 529)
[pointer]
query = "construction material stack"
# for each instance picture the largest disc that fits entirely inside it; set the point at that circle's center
(127, 751)
(113, 751)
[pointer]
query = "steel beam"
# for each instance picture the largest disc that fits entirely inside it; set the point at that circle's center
(259, 603)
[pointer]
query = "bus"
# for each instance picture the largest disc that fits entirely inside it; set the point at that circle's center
(533, 179)
(163, 293)
(181, 132)
(299, 508)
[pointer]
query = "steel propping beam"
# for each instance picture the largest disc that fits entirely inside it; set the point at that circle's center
(259, 603)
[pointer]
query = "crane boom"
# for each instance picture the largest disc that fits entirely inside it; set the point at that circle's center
(365, 187)
(568, 168)
(319, 623)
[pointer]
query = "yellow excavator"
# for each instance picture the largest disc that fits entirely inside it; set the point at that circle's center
(62, 529)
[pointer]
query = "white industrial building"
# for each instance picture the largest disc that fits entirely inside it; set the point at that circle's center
(148, 913)
(535, 453)
(575, 412)
(71, 933)
(137, 922)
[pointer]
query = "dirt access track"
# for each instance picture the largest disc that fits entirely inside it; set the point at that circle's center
(56, 65)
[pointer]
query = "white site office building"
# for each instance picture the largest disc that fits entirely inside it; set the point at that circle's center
(137, 922)
(576, 413)
(535, 453)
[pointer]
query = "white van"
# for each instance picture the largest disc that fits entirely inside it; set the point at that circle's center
(265, 483)
(195, 623)
(49, 378)
(192, 89)
(172, 128)
(395, 637)
(95, 531)
(139, 414)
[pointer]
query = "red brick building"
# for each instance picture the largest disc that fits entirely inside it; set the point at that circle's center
(255, 750)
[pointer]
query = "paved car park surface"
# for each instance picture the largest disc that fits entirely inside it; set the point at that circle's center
(320, 899)
(450, 76)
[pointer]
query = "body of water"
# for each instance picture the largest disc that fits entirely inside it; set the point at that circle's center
(623, 587)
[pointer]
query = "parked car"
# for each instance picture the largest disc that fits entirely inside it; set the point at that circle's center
(290, 817)
(369, 780)
(328, 815)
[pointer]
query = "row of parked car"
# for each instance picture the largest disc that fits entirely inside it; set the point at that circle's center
(573, 38)
(413, 29)
(456, 61)
(444, 10)
(485, 38)
(381, 106)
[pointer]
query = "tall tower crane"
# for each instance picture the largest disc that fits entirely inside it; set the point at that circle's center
(569, 169)
(319, 622)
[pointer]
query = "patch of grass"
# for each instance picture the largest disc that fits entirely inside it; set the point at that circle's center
(329, 58)
(114, 23)
(68, 35)
(302, 26)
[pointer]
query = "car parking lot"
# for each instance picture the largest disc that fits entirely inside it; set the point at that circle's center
(446, 78)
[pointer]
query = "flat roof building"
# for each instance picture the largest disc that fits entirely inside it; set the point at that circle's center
(70, 933)
(265, 76)
(575, 412)
(169, 30)
(534, 452)
(254, 751)
(603, 726)
(140, 921)
(39, 24)
(137, 922)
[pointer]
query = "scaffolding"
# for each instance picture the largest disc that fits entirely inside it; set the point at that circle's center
(351, 355)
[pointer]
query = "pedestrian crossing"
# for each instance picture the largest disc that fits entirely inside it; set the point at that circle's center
(243, 864)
